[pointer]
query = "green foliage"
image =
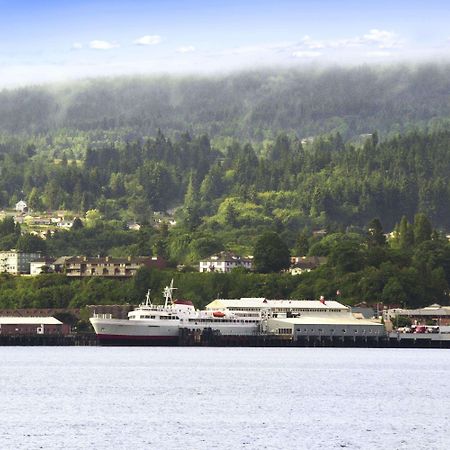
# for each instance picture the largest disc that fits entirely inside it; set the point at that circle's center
(29, 243)
(271, 254)
(375, 235)
(422, 228)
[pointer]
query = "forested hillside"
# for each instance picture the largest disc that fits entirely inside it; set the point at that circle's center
(251, 105)
(226, 159)
(286, 185)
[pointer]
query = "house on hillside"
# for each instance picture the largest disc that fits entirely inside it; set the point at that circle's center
(225, 262)
(21, 206)
(15, 262)
(66, 224)
(301, 264)
(110, 267)
(42, 265)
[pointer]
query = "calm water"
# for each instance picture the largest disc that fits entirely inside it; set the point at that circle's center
(230, 398)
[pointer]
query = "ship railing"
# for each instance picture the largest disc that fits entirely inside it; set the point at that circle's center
(102, 316)
(152, 307)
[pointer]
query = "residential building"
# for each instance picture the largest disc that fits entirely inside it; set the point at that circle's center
(84, 266)
(301, 264)
(42, 265)
(16, 262)
(67, 224)
(21, 206)
(133, 226)
(225, 262)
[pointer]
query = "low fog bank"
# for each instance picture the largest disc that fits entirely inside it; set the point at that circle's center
(252, 104)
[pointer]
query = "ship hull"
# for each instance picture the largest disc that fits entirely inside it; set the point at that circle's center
(118, 332)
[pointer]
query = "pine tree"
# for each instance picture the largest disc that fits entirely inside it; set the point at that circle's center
(422, 228)
(375, 235)
(191, 213)
(406, 234)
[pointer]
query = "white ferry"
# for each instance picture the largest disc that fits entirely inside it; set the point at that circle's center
(151, 324)
(148, 324)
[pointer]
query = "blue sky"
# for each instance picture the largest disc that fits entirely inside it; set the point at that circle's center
(44, 41)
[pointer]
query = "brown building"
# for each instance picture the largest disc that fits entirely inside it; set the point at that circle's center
(84, 266)
(32, 326)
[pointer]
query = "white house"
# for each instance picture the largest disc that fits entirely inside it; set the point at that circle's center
(21, 206)
(225, 262)
(41, 265)
(66, 224)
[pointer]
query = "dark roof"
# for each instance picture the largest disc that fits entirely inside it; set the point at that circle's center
(44, 260)
(111, 260)
(310, 262)
(227, 256)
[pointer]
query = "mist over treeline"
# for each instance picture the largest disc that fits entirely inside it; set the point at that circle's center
(249, 105)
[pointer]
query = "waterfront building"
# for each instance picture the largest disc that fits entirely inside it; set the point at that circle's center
(15, 262)
(299, 318)
(438, 314)
(15, 326)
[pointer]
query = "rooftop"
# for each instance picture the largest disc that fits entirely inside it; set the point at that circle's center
(11, 320)
(261, 302)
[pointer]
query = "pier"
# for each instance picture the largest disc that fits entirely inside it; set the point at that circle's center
(85, 339)
(212, 338)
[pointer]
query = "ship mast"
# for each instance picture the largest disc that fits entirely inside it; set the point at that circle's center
(147, 298)
(168, 293)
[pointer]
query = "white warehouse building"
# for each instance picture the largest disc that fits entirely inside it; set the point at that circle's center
(302, 317)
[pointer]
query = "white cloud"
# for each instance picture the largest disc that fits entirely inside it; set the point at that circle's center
(307, 41)
(379, 54)
(148, 40)
(186, 49)
(383, 38)
(102, 45)
(77, 45)
(306, 54)
(259, 48)
(378, 38)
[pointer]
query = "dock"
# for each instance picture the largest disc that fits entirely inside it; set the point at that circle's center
(212, 338)
(85, 339)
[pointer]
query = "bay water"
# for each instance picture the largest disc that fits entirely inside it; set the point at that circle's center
(223, 398)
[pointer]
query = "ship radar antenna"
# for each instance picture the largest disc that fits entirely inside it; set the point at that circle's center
(168, 293)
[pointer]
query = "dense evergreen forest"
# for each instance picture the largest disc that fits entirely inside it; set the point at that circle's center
(286, 185)
(253, 105)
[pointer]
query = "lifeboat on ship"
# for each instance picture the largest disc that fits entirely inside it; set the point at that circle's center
(218, 314)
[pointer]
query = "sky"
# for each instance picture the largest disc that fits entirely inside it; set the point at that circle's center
(45, 41)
